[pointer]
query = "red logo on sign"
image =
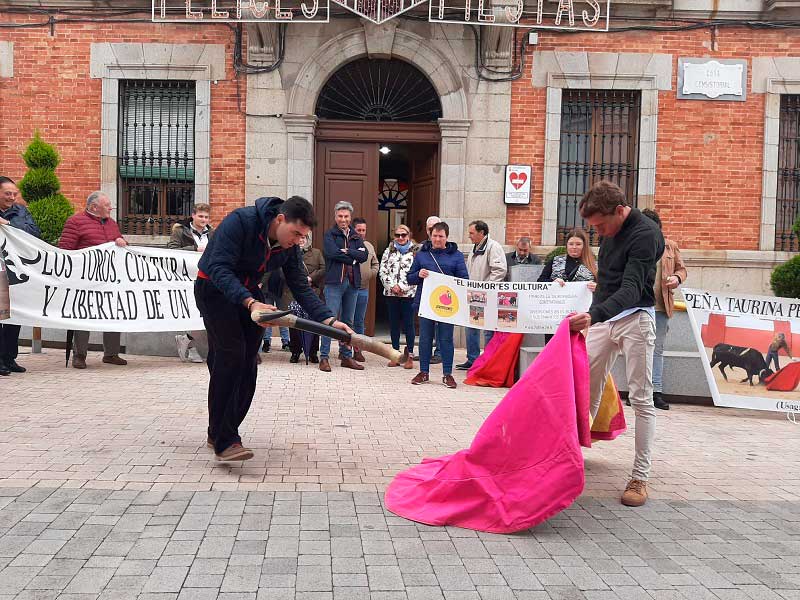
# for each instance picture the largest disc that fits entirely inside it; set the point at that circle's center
(517, 179)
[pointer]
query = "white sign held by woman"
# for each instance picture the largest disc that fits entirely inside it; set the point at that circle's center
(510, 306)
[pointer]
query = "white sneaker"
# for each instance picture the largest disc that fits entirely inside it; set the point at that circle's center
(182, 341)
(194, 355)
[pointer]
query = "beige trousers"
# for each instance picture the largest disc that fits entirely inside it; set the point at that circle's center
(634, 337)
(111, 343)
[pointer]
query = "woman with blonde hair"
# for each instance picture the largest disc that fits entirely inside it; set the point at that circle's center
(578, 264)
(393, 273)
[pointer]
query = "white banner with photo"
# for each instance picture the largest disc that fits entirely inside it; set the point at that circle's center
(103, 288)
(514, 307)
(750, 347)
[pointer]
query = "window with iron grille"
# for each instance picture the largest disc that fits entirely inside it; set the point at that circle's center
(788, 196)
(599, 140)
(155, 155)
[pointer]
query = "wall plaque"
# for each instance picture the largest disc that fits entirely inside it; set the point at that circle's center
(712, 79)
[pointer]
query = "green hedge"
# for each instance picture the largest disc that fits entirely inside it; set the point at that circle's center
(50, 215)
(41, 155)
(38, 183)
(785, 279)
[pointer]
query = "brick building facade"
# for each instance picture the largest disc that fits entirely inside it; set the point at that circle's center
(722, 174)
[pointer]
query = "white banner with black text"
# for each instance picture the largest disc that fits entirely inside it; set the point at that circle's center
(103, 288)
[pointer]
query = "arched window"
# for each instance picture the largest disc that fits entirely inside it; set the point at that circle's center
(379, 90)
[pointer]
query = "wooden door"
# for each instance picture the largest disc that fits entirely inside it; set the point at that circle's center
(348, 171)
(424, 189)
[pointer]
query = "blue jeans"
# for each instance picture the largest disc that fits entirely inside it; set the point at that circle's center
(474, 342)
(341, 299)
(401, 312)
(361, 311)
(444, 333)
(284, 332)
(772, 356)
(662, 327)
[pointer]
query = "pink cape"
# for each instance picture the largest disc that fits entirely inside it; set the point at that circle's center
(525, 463)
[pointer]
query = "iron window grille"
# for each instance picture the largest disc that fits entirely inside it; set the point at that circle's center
(787, 209)
(379, 90)
(156, 154)
(599, 140)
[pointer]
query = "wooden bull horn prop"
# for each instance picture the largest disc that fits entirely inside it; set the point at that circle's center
(362, 342)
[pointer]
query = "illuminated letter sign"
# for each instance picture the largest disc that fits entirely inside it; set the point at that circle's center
(242, 11)
(579, 15)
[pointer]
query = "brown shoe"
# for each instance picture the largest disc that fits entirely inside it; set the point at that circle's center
(235, 452)
(349, 363)
(324, 365)
(420, 378)
(115, 360)
(635, 493)
(358, 356)
(448, 381)
(393, 363)
(78, 362)
(409, 363)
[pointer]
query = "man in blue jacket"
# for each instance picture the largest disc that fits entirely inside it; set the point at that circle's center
(439, 256)
(19, 217)
(249, 242)
(344, 251)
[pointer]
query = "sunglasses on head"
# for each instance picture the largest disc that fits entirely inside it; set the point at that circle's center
(400, 235)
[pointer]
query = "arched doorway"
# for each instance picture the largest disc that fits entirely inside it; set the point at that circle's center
(377, 147)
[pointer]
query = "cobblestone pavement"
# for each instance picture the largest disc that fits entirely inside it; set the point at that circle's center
(108, 491)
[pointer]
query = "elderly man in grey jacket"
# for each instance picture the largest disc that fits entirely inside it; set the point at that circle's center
(486, 262)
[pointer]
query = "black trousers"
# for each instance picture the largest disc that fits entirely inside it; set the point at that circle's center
(9, 342)
(233, 344)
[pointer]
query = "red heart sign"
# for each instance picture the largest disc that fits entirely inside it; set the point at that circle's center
(517, 179)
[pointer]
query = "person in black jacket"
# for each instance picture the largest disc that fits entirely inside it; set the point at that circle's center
(344, 252)
(15, 215)
(249, 242)
(622, 315)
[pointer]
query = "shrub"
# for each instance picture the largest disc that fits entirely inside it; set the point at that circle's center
(38, 183)
(556, 252)
(41, 155)
(785, 279)
(50, 214)
(796, 228)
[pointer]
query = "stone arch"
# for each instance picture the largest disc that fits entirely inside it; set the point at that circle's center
(399, 43)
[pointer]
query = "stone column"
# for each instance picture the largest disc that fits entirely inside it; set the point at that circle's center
(453, 175)
(300, 155)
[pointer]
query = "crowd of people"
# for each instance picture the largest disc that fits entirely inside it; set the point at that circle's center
(261, 258)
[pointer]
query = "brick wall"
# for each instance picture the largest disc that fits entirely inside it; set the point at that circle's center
(709, 153)
(51, 91)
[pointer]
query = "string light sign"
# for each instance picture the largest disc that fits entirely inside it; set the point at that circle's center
(579, 15)
(240, 11)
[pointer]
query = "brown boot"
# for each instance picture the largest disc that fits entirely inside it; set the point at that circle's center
(635, 493)
(235, 452)
(78, 362)
(409, 362)
(448, 381)
(358, 356)
(115, 360)
(324, 365)
(349, 363)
